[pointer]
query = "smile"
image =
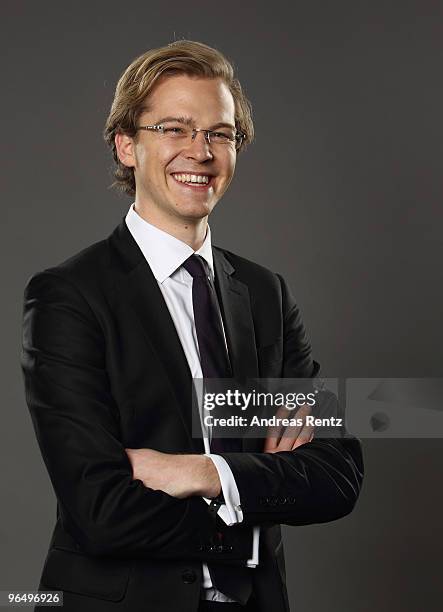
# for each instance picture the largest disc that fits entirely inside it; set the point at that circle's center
(194, 180)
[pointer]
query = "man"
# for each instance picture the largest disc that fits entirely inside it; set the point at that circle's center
(148, 517)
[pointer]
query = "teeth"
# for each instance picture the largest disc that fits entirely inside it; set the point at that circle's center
(191, 178)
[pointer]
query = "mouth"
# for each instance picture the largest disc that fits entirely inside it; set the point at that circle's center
(198, 181)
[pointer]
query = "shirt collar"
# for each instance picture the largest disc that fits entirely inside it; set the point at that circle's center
(163, 252)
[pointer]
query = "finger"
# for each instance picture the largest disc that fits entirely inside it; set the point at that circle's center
(287, 438)
(272, 444)
(292, 432)
(274, 433)
(304, 437)
(273, 436)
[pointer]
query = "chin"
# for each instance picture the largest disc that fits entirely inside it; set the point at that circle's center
(195, 211)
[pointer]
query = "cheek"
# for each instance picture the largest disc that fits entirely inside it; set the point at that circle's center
(229, 167)
(152, 162)
(142, 161)
(162, 163)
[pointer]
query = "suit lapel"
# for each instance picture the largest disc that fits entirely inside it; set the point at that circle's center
(235, 304)
(140, 288)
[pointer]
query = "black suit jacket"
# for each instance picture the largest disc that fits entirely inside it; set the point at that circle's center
(104, 370)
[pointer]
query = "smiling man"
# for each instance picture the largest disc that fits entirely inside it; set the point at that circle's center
(181, 170)
(148, 516)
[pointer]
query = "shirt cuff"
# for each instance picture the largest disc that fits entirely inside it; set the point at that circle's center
(230, 512)
(253, 561)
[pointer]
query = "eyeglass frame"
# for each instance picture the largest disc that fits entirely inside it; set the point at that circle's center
(159, 127)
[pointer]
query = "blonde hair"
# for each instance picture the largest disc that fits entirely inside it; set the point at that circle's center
(137, 81)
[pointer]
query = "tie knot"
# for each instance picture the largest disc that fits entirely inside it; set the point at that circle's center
(195, 266)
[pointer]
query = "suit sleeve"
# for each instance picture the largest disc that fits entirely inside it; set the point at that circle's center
(77, 427)
(319, 481)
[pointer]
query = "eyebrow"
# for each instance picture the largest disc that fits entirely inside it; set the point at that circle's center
(190, 121)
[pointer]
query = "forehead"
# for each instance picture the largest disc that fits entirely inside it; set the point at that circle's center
(204, 100)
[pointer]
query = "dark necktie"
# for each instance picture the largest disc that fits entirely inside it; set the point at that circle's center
(214, 359)
(234, 581)
(213, 356)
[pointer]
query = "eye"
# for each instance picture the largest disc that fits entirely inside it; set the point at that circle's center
(220, 136)
(174, 131)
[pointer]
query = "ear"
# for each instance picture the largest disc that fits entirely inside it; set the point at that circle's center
(124, 146)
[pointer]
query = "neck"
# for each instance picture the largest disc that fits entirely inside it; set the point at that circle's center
(191, 231)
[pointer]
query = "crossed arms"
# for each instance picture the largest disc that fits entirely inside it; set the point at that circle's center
(104, 504)
(186, 475)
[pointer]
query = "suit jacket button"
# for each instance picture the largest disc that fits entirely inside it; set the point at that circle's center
(220, 548)
(282, 500)
(291, 500)
(273, 501)
(189, 576)
(228, 548)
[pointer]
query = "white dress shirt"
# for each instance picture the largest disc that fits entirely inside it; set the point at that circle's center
(165, 255)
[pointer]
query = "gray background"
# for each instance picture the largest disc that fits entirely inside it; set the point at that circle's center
(341, 193)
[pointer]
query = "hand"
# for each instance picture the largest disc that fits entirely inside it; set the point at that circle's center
(288, 438)
(177, 475)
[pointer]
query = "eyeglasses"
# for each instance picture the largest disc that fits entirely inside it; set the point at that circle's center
(184, 135)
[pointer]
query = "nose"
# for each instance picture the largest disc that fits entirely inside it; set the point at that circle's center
(199, 148)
